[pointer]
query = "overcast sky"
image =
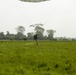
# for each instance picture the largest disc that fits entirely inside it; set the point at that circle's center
(59, 15)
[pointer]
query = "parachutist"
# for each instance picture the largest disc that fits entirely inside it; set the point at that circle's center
(36, 38)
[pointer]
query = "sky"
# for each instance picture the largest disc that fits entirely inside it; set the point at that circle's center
(59, 15)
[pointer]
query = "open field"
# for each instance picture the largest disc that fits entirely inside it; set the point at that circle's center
(47, 58)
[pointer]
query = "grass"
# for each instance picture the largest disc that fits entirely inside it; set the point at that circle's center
(47, 58)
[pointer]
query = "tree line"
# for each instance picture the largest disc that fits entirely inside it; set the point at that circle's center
(38, 29)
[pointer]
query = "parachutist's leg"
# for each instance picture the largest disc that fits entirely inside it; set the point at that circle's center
(36, 42)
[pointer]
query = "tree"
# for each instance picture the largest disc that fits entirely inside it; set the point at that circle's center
(39, 30)
(50, 34)
(40, 35)
(20, 29)
(30, 35)
(20, 33)
(8, 33)
(20, 36)
(2, 36)
(8, 36)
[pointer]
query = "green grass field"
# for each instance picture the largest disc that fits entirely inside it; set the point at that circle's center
(47, 58)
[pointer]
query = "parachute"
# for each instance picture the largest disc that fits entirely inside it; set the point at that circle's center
(35, 1)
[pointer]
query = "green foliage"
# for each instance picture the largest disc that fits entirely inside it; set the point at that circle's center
(47, 58)
(51, 34)
(20, 29)
(39, 30)
(1, 35)
(30, 35)
(19, 36)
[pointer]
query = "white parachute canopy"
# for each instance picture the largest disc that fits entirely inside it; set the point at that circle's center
(33, 0)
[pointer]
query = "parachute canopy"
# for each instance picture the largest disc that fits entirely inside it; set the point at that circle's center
(33, 0)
